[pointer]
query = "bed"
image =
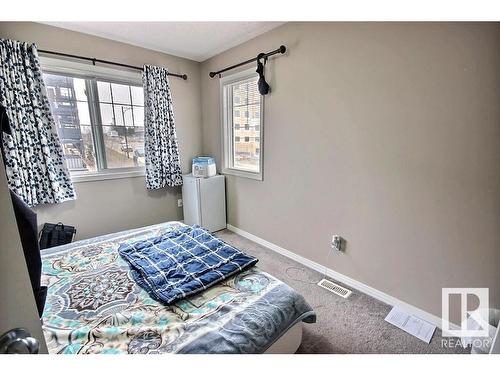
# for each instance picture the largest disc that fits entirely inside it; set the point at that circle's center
(94, 306)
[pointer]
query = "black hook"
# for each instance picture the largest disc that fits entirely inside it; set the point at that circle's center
(262, 56)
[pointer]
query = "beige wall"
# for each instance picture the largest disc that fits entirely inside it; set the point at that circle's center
(109, 206)
(387, 134)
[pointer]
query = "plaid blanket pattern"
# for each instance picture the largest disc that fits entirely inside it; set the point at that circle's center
(182, 262)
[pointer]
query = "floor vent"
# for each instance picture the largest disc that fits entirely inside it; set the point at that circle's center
(334, 288)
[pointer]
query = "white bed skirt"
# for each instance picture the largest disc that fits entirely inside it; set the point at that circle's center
(289, 342)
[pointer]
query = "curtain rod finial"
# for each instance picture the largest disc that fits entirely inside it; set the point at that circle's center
(211, 74)
(184, 77)
(282, 49)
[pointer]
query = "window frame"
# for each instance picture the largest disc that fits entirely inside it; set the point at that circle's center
(227, 126)
(92, 74)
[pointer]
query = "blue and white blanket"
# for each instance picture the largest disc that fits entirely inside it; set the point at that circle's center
(182, 262)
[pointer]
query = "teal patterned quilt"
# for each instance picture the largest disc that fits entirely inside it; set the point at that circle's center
(94, 305)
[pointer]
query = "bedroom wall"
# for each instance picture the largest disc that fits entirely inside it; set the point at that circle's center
(113, 205)
(387, 134)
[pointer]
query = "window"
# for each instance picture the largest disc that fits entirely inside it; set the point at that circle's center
(100, 123)
(240, 94)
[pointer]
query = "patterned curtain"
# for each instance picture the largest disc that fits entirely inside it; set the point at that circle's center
(160, 141)
(33, 155)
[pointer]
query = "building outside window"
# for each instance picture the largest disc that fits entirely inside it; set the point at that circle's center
(65, 92)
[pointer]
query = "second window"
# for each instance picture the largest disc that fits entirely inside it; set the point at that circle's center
(242, 124)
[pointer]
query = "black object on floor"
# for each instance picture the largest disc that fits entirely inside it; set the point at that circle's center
(56, 234)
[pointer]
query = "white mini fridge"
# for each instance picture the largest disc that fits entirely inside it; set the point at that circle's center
(204, 201)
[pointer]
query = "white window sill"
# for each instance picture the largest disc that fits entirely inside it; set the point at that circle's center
(87, 177)
(243, 173)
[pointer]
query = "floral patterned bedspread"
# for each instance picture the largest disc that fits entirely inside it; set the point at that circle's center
(94, 306)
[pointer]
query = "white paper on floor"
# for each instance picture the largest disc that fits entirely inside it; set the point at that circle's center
(411, 324)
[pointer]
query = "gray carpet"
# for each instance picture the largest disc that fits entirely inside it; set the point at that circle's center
(352, 325)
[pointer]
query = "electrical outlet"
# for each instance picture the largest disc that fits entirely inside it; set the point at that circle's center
(337, 242)
(179, 202)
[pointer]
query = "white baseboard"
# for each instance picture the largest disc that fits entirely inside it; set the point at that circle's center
(375, 293)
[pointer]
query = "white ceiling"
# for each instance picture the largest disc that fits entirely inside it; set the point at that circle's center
(193, 40)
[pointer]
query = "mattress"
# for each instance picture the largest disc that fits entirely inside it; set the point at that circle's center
(94, 306)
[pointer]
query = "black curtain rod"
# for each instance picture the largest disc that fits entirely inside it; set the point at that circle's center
(281, 50)
(94, 60)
